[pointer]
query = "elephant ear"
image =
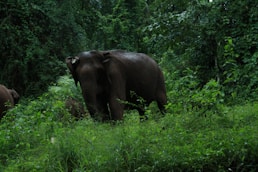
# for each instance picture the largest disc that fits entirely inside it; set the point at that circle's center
(106, 58)
(72, 63)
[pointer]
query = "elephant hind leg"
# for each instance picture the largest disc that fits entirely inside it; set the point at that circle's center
(162, 101)
(116, 108)
(162, 108)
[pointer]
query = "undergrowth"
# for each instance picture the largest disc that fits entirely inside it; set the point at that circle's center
(41, 135)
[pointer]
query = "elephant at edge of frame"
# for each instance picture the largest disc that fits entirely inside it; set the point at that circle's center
(108, 78)
(8, 98)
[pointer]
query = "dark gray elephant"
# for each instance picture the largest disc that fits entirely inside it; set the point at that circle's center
(8, 98)
(112, 79)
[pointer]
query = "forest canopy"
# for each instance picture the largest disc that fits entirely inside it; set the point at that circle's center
(206, 40)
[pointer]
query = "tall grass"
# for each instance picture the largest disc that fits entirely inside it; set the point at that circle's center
(40, 135)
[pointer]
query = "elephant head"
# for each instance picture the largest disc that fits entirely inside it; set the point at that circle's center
(88, 69)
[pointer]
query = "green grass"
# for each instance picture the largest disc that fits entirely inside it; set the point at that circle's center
(40, 135)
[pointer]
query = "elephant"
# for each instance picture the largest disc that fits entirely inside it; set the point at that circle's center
(8, 98)
(116, 79)
(75, 108)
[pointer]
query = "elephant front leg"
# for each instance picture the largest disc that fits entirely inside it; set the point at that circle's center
(117, 100)
(116, 108)
(117, 91)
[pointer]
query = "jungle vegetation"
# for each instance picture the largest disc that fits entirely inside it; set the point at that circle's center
(208, 51)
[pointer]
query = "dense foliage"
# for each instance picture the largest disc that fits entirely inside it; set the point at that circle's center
(208, 52)
(216, 40)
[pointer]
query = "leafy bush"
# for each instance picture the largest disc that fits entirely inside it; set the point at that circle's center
(185, 94)
(30, 125)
